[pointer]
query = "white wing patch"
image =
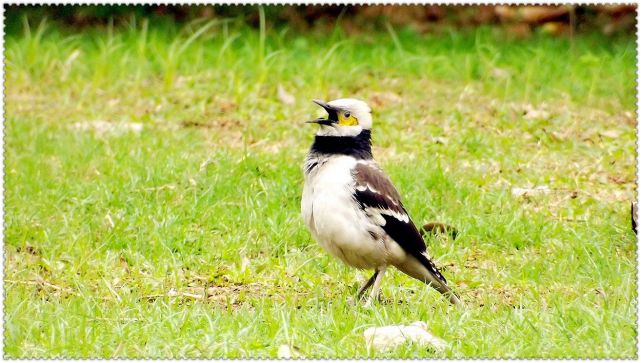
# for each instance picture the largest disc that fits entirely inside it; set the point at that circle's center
(391, 200)
(374, 212)
(375, 193)
(362, 188)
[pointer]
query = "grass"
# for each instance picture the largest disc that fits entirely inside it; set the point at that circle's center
(106, 231)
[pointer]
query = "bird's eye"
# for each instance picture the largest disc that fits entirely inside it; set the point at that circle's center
(347, 114)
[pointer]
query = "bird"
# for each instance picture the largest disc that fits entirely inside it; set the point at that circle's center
(352, 208)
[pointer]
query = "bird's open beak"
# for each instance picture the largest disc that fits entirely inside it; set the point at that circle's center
(332, 114)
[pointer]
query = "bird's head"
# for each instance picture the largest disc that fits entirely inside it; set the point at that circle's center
(345, 117)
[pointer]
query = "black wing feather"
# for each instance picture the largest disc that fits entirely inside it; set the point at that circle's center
(406, 235)
(374, 189)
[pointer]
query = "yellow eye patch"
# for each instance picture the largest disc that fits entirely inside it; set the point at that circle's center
(347, 120)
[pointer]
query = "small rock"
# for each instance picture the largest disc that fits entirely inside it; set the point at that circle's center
(387, 337)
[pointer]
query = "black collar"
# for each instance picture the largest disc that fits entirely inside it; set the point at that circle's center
(359, 146)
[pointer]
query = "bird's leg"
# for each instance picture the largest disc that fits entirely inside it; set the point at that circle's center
(367, 285)
(377, 285)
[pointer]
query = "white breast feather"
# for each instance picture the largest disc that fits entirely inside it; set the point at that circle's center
(335, 220)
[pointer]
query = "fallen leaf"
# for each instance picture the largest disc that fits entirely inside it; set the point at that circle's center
(285, 97)
(521, 192)
(175, 293)
(532, 113)
(440, 140)
(505, 12)
(383, 99)
(538, 14)
(500, 73)
(613, 134)
(105, 127)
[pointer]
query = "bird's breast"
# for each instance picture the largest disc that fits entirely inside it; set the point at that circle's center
(335, 220)
(328, 183)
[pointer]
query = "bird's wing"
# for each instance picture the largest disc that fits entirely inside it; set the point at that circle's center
(376, 195)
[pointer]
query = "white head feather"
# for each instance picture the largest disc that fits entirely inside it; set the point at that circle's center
(358, 109)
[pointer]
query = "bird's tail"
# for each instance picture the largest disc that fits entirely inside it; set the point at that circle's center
(448, 293)
(425, 271)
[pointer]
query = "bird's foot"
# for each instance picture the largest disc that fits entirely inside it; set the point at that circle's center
(369, 300)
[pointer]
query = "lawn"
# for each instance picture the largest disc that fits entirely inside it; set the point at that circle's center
(153, 181)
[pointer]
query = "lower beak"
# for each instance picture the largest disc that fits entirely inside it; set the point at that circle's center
(321, 121)
(332, 117)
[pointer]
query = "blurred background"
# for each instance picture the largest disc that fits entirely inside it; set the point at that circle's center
(520, 21)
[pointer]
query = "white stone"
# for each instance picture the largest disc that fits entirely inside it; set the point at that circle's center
(387, 337)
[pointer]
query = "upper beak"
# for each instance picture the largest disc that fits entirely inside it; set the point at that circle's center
(323, 104)
(332, 115)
